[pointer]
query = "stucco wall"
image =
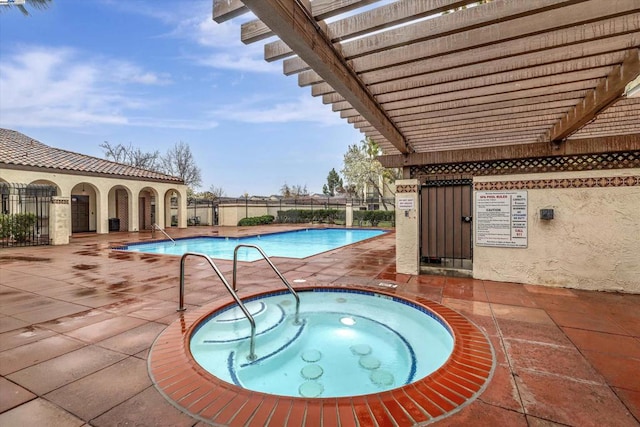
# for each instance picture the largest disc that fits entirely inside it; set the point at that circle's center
(592, 243)
(98, 189)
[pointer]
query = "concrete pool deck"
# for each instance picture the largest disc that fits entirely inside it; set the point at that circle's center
(77, 323)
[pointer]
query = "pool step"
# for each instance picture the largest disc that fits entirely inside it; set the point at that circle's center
(233, 326)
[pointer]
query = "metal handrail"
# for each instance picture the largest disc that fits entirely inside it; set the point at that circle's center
(273, 267)
(157, 227)
(252, 344)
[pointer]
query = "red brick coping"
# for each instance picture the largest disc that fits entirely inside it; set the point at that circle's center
(198, 393)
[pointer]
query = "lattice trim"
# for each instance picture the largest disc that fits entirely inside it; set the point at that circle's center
(408, 188)
(540, 184)
(582, 162)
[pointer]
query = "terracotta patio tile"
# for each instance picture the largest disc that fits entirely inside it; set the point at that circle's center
(618, 371)
(105, 329)
(363, 412)
(604, 343)
(33, 353)
(562, 361)
(280, 413)
(263, 412)
(231, 408)
(314, 413)
(397, 411)
(12, 395)
(39, 412)
(346, 414)
(61, 370)
(330, 414)
(435, 397)
(510, 298)
(539, 422)
(585, 321)
(382, 417)
(8, 323)
(502, 391)
(631, 399)
(571, 402)
(134, 340)
(76, 321)
(297, 414)
(145, 408)
(118, 383)
(242, 417)
(544, 333)
(22, 336)
(481, 414)
(52, 311)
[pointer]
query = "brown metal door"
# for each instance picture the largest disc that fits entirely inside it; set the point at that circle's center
(446, 223)
(79, 214)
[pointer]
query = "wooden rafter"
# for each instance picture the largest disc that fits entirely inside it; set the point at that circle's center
(294, 26)
(503, 74)
(608, 90)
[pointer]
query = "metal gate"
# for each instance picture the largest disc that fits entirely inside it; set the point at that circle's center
(24, 220)
(446, 215)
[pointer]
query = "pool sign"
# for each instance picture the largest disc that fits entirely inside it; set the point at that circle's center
(501, 219)
(406, 203)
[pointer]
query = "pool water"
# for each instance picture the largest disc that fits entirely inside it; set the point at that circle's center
(347, 343)
(290, 244)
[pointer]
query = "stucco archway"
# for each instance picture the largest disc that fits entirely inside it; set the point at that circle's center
(84, 205)
(120, 209)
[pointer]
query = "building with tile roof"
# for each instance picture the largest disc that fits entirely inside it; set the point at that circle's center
(98, 195)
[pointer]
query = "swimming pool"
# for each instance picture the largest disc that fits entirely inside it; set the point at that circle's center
(347, 343)
(288, 244)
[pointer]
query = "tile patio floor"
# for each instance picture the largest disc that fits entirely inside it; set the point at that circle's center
(77, 322)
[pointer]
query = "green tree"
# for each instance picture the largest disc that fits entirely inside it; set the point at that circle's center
(363, 170)
(334, 184)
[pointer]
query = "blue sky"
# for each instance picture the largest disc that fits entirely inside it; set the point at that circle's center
(153, 73)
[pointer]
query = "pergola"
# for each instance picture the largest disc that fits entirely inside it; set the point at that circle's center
(445, 81)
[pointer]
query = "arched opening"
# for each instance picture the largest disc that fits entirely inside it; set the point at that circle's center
(173, 214)
(84, 199)
(119, 208)
(49, 183)
(147, 205)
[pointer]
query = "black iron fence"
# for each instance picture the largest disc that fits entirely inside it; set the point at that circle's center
(300, 209)
(24, 218)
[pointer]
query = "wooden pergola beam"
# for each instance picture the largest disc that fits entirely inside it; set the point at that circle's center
(517, 151)
(256, 30)
(297, 28)
(606, 93)
(229, 9)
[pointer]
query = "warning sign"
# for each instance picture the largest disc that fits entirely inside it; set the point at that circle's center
(501, 218)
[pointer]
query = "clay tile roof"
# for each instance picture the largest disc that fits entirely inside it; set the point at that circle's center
(20, 150)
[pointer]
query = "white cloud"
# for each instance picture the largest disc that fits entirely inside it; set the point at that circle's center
(62, 87)
(257, 110)
(219, 45)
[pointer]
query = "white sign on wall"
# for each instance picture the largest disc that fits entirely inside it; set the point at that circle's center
(501, 218)
(406, 203)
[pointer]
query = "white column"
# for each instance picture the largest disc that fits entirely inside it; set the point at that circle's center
(408, 226)
(59, 220)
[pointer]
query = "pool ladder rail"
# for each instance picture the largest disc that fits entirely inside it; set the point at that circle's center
(155, 227)
(233, 289)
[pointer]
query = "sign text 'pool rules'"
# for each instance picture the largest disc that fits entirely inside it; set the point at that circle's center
(501, 219)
